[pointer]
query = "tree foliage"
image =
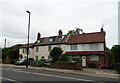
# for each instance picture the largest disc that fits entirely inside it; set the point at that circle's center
(10, 53)
(76, 31)
(116, 53)
(55, 53)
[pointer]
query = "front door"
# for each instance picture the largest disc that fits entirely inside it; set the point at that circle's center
(84, 61)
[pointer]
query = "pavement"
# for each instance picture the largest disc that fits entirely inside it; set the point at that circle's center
(85, 71)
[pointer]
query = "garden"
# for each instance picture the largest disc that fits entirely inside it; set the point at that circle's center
(58, 59)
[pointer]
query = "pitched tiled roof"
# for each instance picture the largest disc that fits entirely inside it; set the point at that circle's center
(25, 45)
(87, 38)
(51, 40)
(17, 46)
(66, 39)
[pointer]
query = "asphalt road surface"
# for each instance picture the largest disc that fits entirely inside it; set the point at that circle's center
(16, 75)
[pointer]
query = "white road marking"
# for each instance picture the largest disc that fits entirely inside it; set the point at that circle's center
(52, 75)
(10, 80)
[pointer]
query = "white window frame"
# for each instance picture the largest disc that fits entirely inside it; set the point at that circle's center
(51, 40)
(23, 51)
(49, 48)
(94, 57)
(73, 47)
(37, 49)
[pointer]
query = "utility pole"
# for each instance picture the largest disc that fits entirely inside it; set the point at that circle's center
(4, 51)
(28, 37)
(5, 44)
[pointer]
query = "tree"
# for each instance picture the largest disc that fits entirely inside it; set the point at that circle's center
(76, 31)
(55, 53)
(10, 53)
(116, 54)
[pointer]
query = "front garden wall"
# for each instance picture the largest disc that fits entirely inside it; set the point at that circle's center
(66, 66)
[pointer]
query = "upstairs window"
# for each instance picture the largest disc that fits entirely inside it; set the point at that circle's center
(38, 41)
(94, 46)
(49, 48)
(51, 40)
(37, 49)
(23, 51)
(73, 47)
(60, 39)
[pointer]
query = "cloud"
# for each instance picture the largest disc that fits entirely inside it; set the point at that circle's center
(47, 17)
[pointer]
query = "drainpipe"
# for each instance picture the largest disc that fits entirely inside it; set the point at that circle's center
(104, 52)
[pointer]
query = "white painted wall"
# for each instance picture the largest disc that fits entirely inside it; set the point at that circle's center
(43, 50)
(25, 54)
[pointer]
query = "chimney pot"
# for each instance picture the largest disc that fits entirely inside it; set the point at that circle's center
(38, 36)
(60, 32)
(102, 29)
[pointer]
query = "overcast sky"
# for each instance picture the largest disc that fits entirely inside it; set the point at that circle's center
(48, 16)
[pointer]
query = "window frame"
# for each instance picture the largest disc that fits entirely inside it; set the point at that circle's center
(94, 58)
(37, 49)
(49, 48)
(73, 47)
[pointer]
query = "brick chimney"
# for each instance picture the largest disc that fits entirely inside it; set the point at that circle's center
(101, 29)
(38, 36)
(60, 32)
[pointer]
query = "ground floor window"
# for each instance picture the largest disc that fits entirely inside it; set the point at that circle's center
(94, 58)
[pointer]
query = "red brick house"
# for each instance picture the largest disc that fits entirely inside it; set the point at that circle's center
(91, 47)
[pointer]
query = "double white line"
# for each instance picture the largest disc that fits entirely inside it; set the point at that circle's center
(10, 80)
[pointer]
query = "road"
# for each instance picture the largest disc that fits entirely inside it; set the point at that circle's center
(13, 75)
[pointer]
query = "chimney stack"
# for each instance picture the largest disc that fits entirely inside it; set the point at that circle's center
(38, 36)
(60, 32)
(102, 29)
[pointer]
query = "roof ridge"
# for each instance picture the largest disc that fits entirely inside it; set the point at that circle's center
(52, 36)
(89, 33)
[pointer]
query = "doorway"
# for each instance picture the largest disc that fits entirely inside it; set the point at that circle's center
(84, 61)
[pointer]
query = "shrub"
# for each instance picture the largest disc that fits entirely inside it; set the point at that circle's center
(63, 57)
(16, 61)
(77, 59)
(55, 53)
(41, 64)
(42, 59)
(91, 65)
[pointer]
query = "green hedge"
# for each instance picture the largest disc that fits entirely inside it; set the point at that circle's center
(91, 65)
(65, 62)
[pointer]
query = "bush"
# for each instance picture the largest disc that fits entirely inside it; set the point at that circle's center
(91, 65)
(55, 53)
(41, 64)
(42, 60)
(16, 61)
(63, 57)
(77, 59)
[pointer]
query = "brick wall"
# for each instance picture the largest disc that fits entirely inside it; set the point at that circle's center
(100, 61)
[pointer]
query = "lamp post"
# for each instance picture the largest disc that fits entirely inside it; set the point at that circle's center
(28, 37)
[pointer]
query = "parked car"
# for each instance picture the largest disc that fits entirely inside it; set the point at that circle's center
(47, 61)
(24, 61)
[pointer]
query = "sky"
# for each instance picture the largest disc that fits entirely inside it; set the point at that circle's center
(49, 16)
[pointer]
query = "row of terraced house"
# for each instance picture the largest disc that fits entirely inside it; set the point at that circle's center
(89, 46)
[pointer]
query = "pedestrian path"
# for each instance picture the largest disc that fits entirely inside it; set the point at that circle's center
(85, 71)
